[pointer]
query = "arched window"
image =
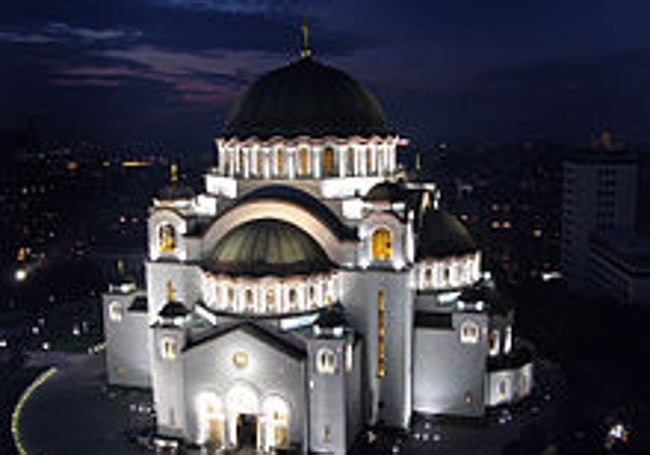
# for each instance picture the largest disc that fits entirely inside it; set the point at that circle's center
(279, 162)
(168, 348)
(115, 311)
(328, 161)
(260, 162)
(231, 299)
(469, 332)
(350, 162)
(270, 301)
(303, 161)
(382, 249)
(293, 300)
(369, 169)
(428, 277)
(242, 161)
(166, 238)
(276, 416)
(250, 302)
(326, 361)
(502, 388)
(494, 342)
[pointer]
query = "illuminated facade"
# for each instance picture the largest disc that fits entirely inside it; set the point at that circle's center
(311, 289)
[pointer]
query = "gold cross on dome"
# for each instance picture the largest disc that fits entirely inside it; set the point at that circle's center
(171, 292)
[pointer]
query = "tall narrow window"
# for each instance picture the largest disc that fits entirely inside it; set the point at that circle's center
(260, 162)
(242, 161)
(328, 161)
(303, 161)
(166, 238)
(250, 302)
(279, 163)
(270, 301)
(168, 348)
(350, 162)
(382, 249)
(369, 160)
(381, 335)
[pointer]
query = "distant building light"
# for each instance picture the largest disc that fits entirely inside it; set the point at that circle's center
(549, 276)
(507, 225)
(537, 233)
(46, 346)
(21, 275)
(3, 343)
(495, 225)
(136, 163)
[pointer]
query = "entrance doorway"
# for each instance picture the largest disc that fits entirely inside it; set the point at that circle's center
(247, 426)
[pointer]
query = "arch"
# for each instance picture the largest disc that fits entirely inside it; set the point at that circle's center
(278, 210)
(242, 400)
(277, 417)
(211, 419)
(382, 244)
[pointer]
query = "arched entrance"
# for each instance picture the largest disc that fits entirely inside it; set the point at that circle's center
(276, 423)
(243, 416)
(212, 419)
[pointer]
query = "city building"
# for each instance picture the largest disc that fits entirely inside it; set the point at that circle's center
(620, 267)
(599, 197)
(310, 289)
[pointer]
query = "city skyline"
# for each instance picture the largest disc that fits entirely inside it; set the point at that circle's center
(169, 70)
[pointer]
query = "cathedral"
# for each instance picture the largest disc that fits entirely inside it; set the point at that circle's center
(311, 289)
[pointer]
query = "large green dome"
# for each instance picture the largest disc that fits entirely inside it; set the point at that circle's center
(268, 247)
(306, 98)
(443, 235)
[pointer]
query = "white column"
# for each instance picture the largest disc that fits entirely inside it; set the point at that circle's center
(247, 162)
(266, 162)
(232, 161)
(317, 155)
(291, 162)
(341, 152)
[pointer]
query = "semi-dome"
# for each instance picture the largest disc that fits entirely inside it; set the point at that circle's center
(268, 247)
(443, 235)
(306, 98)
(387, 191)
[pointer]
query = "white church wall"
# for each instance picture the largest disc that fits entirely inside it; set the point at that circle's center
(448, 373)
(127, 342)
(210, 367)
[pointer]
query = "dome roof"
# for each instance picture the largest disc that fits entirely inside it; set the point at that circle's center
(443, 235)
(268, 247)
(306, 98)
(173, 310)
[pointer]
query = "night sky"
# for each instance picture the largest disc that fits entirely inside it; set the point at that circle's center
(453, 70)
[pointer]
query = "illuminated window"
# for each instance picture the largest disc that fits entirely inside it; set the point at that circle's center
(166, 238)
(369, 169)
(326, 361)
(523, 384)
(250, 302)
(494, 342)
(276, 413)
(240, 359)
(231, 299)
(242, 161)
(428, 277)
(168, 348)
(507, 341)
(328, 161)
(502, 388)
(279, 163)
(115, 311)
(312, 296)
(349, 357)
(382, 245)
(293, 300)
(469, 332)
(303, 161)
(260, 162)
(350, 162)
(381, 335)
(270, 301)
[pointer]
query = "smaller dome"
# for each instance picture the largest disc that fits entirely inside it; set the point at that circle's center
(175, 191)
(269, 247)
(331, 317)
(443, 235)
(387, 191)
(173, 310)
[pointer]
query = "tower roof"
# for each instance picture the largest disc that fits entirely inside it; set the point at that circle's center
(443, 235)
